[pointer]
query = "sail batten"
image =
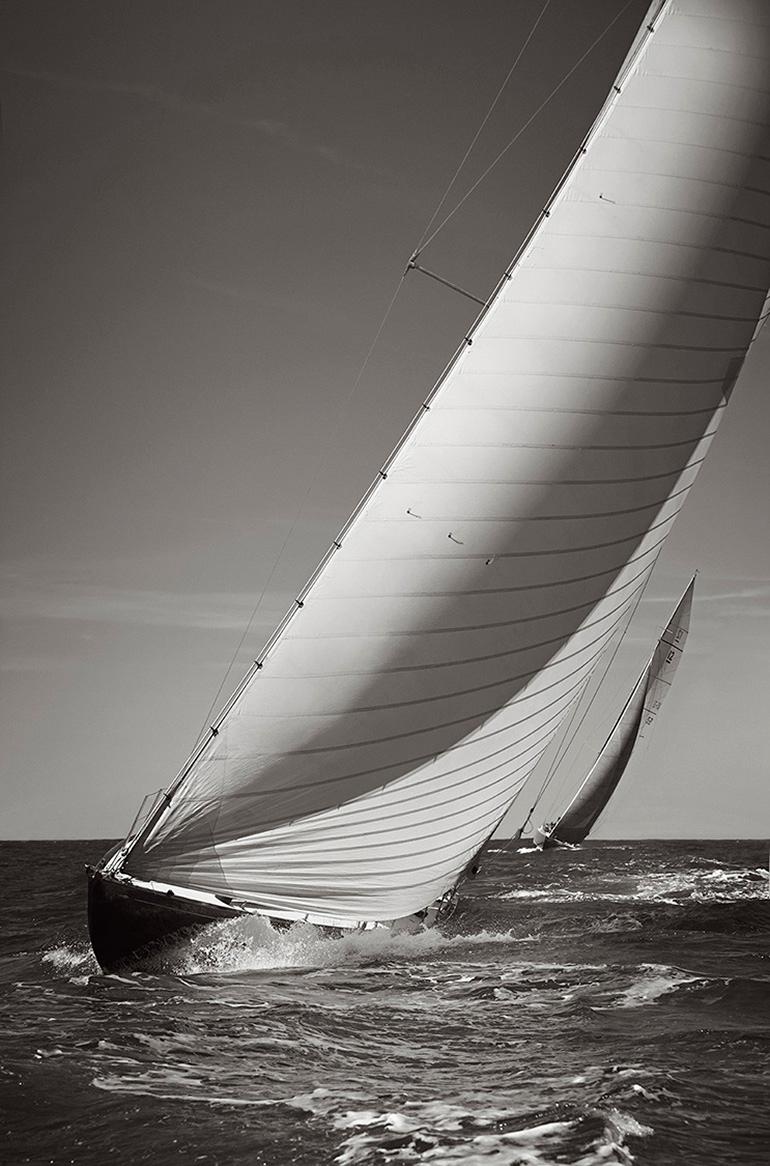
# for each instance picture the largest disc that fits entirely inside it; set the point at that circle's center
(466, 602)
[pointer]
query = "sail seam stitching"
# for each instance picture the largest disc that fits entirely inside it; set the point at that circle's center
(559, 410)
(635, 535)
(588, 516)
(638, 140)
(491, 656)
(689, 279)
(628, 172)
(477, 716)
(429, 667)
(605, 342)
(589, 199)
(350, 813)
(423, 483)
(480, 591)
(355, 819)
(722, 117)
(694, 440)
(498, 655)
(703, 248)
(613, 378)
(652, 72)
(423, 758)
(297, 842)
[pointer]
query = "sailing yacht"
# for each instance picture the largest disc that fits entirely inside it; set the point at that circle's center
(639, 714)
(398, 708)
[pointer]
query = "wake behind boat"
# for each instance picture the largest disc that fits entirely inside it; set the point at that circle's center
(392, 718)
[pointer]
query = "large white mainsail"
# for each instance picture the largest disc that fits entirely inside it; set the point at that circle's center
(425, 670)
(636, 718)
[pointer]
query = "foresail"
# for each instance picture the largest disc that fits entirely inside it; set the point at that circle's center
(425, 671)
(666, 659)
(640, 710)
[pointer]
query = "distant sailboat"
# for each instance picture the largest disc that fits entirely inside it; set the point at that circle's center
(638, 715)
(391, 719)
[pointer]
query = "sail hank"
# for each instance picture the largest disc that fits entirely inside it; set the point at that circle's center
(431, 662)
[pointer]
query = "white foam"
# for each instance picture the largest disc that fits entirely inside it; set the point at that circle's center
(611, 1146)
(548, 895)
(431, 1130)
(253, 945)
(657, 980)
(434, 1131)
(616, 924)
(70, 959)
(718, 885)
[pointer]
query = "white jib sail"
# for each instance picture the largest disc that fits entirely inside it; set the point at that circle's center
(639, 712)
(398, 712)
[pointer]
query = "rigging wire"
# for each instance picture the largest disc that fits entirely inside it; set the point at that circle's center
(477, 135)
(320, 462)
(356, 383)
(386, 316)
(522, 129)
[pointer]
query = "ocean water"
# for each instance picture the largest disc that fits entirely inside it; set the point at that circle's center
(609, 1004)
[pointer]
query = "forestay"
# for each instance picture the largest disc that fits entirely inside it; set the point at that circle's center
(398, 712)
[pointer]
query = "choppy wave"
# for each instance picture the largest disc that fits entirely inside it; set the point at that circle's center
(657, 980)
(579, 1009)
(434, 1130)
(439, 1131)
(713, 886)
(243, 945)
(65, 958)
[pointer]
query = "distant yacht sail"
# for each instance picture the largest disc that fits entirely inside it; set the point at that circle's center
(638, 715)
(393, 716)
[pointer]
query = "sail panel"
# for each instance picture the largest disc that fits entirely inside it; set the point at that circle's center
(514, 529)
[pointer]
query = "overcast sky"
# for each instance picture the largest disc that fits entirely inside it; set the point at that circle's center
(207, 207)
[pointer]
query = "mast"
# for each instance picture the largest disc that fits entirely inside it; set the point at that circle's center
(163, 803)
(424, 671)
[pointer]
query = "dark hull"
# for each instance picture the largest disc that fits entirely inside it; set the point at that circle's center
(129, 925)
(545, 841)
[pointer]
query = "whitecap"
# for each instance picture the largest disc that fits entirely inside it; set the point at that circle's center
(440, 1132)
(658, 980)
(253, 944)
(69, 959)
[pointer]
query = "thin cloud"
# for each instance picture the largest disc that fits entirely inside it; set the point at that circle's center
(32, 664)
(732, 596)
(174, 103)
(213, 611)
(218, 288)
(759, 591)
(735, 600)
(36, 590)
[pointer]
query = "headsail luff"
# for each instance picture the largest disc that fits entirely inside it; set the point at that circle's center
(429, 665)
(640, 710)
